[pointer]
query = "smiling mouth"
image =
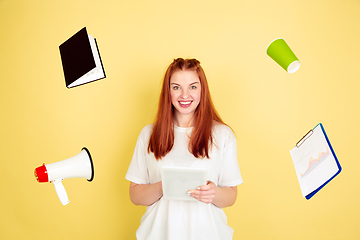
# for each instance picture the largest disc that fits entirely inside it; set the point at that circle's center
(185, 104)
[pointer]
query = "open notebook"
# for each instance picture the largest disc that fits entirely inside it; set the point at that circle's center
(81, 59)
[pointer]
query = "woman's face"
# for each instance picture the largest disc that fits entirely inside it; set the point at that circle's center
(185, 90)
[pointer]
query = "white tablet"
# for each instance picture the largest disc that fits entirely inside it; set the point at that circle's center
(177, 181)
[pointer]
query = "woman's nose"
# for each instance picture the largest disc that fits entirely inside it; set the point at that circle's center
(185, 93)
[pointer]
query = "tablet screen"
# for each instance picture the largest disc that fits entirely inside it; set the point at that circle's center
(177, 181)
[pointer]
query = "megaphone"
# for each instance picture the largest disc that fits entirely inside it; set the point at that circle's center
(78, 166)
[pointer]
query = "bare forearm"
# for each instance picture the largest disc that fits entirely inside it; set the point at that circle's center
(225, 196)
(145, 194)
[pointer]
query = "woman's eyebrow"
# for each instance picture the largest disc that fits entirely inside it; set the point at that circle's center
(195, 83)
(189, 84)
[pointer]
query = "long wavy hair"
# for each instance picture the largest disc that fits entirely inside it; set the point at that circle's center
(201, 139)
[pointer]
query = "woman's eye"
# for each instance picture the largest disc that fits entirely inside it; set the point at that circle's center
(176, 87)
(193, 87)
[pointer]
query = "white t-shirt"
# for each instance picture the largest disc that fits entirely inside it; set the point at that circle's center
(190, 220)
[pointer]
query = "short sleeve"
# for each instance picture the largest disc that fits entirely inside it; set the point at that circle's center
(230, 172)
(137, 171)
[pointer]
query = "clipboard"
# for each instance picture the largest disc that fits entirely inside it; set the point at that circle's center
(315, 161)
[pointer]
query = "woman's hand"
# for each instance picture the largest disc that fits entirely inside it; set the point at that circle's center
(219, 196)
(205, 193)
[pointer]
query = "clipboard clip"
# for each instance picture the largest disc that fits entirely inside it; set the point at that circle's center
(303, 139)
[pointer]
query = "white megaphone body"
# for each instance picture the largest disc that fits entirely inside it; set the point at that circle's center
(78, 166)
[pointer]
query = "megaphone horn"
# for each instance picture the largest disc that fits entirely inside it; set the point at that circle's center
(78, 166)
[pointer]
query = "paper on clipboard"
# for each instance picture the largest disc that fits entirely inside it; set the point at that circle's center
(177, 181)
(315, 161)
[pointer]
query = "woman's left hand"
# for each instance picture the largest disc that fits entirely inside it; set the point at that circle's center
(205, 193)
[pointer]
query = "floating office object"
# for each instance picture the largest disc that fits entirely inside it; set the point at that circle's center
(78, 166)
(281, 53)
(315, 161)
(81, 59)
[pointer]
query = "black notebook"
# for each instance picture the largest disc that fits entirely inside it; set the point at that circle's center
(81, 59)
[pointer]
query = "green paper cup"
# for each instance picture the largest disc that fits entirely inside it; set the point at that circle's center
(281, 53)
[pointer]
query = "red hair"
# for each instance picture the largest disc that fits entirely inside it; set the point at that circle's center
(162, 137)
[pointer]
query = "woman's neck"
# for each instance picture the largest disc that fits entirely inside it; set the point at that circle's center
(184, 120)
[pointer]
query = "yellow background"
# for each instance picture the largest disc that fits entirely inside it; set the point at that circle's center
(270, 110)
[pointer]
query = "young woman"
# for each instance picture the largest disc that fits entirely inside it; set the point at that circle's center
(187, 132)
